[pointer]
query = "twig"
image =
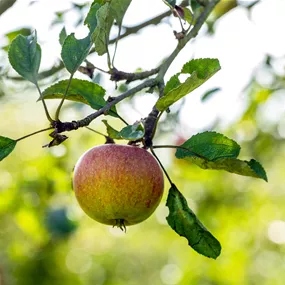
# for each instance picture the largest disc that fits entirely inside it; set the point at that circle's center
(44, 103)
(69, 126)
(117, 75)
(192, 34)
(5, 5)
(152, 119)
(128, 31)
(34, 133)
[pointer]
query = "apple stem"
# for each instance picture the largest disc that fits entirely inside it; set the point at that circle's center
(161, 165)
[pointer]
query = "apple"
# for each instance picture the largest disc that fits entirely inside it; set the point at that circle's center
(119, 185)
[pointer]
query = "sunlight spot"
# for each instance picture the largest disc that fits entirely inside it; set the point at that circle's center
(58, 151)
(276, 231)
(170, 274)
(6, 180)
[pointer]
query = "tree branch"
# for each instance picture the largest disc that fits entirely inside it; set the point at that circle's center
(69, 126)
(128, 31)
(192, 34)
(5, 5)
(117, 75)
(153, 117)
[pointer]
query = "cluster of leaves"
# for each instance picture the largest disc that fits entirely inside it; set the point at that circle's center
(208, 150)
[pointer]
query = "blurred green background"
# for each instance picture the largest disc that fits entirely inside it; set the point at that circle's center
(45, 238)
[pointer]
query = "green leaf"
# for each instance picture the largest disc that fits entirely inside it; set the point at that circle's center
(110, 11)
(188, 17)
(170, 3)
(210, 146)
(246, 168)
(25, 56)
(220, 157)
(112, 133)
(257, 169)
(62, 36)
(195, 5)
(6, 146)
(207, 95)
(200, 71)
(100, 36)
(12, 35)
(184, 222)
(118, 9)
(91, 19)
(133, 132)
(82, 91)
(203, 67)
(22, 31)
(172, 83)
(74, 52)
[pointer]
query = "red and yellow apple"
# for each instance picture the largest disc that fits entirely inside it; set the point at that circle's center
(118, 185)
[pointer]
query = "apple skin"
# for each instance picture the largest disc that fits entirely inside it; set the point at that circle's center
(118, 185)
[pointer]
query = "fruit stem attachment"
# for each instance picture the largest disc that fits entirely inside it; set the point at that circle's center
(120, 223)
(161, 165)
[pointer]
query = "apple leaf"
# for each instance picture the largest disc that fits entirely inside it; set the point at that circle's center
(170, 3)
(172, 83)
(200, 70)
(118, 9)
(211, 150)
(25, 56)
(207, 95)
(74, 51)
(132, 132)
(112, 133)
(79, 91)
(209, 145)
(242, 167)
(194, 5)
(110, 11)
(91, 19)
(13, 34)
(7, 145)
(184, 222)
(188, 16)
(62, 36)
(100, 36)
(82, 91)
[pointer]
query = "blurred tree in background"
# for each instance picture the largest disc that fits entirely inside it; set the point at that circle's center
(45, 238)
